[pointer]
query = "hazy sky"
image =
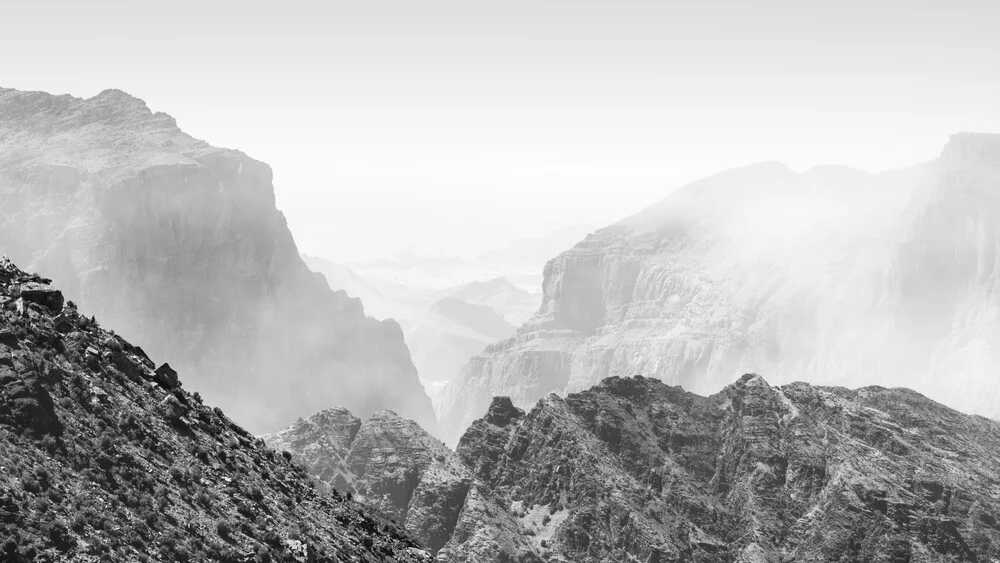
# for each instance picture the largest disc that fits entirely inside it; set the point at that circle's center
(452, 127)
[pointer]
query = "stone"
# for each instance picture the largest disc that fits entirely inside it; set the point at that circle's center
(8, 337)
(130, 366)
(165, 376)
(62, 323)
(172, 409)
(26, 404)
(42, 294)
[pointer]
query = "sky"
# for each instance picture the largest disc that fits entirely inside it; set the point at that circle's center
(451, 128)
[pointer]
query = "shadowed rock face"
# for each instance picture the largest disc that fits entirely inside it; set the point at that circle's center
(635, 470)
(178, 246)
(390, 464)
(830, 275)
(102, 460)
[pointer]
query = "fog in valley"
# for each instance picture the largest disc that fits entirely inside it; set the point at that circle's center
(435, 184)
(500, 281)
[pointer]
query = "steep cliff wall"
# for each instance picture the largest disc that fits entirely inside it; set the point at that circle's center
(178, 246)
(830, 275)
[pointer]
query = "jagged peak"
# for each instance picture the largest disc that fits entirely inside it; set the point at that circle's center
(502, 412)
(752, 380)
(326, 416)
(117, 95)
(636, 386)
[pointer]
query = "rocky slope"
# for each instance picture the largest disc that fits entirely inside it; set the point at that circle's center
(828, 275)
(105, 457)
(636, 470)
(393, 465)
(178, 246)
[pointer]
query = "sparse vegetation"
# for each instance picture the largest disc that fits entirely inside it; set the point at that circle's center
(91, 472)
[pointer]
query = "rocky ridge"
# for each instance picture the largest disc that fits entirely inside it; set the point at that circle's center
(636, 470)
(178, 245)
(830, 275)
(394, 466)
(106, 457)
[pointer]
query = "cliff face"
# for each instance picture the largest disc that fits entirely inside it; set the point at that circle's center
(106, 457)
(829, 275)
(178, 246)
(392, 465)
(635, 470)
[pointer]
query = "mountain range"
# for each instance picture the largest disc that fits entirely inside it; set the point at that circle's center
(443, 328)
(561, 453)
(637, 470)
(831, 275)
(178, 245)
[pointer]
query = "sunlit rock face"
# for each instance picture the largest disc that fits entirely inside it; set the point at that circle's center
(178, 246)
(831, 275)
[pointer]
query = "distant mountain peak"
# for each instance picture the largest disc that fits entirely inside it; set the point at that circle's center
(973, 147)
(761, 268)
(180, 245)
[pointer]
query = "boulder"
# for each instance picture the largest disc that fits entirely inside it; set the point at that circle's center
(8, 337)
(26, 405)
(165, 376)
(172, 409)
(62, 323)
(129, 365)
(43, 294)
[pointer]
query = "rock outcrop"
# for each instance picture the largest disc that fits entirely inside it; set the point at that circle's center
(636, 470)
(178, 246)
(395, 467)
(830, 275)
(100, 462)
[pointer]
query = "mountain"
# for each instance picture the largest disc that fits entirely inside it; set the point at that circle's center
(178, 246)
(342, 277)
(411, 260)
(394, 466)
(479, 318)
(636, 470)
(106, 457)
(442, 328)
(828, 275)
(513, 303)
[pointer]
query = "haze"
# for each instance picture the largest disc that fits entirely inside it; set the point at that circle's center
(467, 125)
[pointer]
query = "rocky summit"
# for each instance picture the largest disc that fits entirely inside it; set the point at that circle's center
(178, 246)
(636, 470)
(104, 456)
(830, 275)
(392, 465)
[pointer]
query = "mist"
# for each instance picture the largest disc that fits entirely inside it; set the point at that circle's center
(468, 127)
(488, 282)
